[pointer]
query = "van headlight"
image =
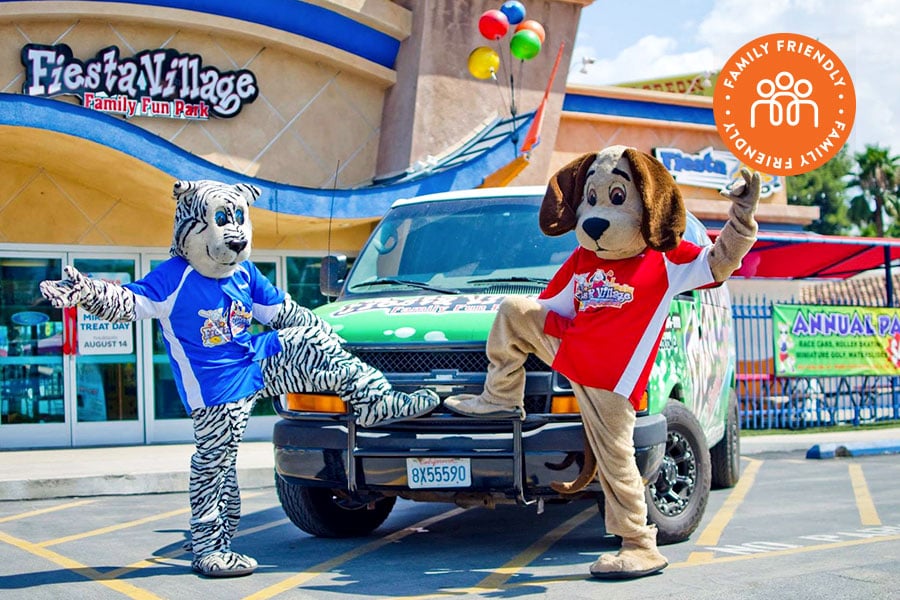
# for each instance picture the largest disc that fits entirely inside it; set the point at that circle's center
(320, 403)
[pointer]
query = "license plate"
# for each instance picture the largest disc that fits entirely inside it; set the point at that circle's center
(438, 472)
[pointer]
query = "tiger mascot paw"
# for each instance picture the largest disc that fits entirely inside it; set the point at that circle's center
(396, 406)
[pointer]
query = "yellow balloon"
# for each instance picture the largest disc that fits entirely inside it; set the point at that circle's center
(483, 62)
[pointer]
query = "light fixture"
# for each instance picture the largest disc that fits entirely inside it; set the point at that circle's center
(585, 61)
(705, 76)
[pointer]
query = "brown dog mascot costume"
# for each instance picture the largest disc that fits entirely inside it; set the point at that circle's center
(601, 317)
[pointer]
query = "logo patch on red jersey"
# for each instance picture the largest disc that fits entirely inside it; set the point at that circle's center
(601, 290)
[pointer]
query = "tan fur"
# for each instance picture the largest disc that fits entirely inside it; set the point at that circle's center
(619, 201)
(564, 194)
(664, 217)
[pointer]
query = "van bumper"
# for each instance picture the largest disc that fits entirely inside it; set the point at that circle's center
(313, 452)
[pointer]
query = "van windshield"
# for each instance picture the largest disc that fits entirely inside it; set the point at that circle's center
(455, 246)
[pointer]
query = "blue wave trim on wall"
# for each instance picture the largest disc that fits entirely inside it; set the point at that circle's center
(640, 109)
(360, 203)
(297, 17)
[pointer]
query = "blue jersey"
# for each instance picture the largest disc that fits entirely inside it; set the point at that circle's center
(205, 324)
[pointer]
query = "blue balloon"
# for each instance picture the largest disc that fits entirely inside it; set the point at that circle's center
(514, 11)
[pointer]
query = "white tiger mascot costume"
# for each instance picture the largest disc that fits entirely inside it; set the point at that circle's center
(204, 298)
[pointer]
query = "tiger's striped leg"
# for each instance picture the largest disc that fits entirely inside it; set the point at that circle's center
(214, 492)
(312, 360)
(230, 505)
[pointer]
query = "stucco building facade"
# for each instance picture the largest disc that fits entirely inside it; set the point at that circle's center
(332, 107)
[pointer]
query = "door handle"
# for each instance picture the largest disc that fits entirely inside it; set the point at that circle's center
(70, 331)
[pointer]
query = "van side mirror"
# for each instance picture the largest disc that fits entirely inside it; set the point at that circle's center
(332, 275)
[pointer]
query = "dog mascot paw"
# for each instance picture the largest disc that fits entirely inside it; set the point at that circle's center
(205, 297)
(599, 320)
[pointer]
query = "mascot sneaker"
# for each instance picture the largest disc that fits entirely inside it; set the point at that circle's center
(396, 406)
(638, 557)
(628, 564)
(470, 405)
(224, 563)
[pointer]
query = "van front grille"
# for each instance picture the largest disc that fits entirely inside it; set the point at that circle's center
(405, 361)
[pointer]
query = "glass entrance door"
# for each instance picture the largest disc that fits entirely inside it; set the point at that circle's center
(33, 411)
(66, 377)
(105, 378)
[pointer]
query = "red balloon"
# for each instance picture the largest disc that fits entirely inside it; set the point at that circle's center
(493, 24)
(534, 26)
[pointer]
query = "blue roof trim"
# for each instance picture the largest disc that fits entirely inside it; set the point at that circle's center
(465, 169)
(639, 109)
(297, 17)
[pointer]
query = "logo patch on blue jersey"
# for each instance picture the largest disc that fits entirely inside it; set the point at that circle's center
(240, 317)
(214, 331)
(601, 290)
(217, 330)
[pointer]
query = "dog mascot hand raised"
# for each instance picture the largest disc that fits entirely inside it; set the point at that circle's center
(600, 318)
(205, 297)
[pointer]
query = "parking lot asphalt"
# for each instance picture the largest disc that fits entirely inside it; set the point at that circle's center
(160, 468)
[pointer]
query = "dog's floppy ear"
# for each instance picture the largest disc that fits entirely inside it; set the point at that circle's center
(564, 194)
(664, 214)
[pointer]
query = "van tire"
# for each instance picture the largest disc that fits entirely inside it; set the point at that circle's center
(726, 454)
(676, 499)
(323, 513)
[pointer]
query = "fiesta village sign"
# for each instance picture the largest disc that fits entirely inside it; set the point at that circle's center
(152, 83)
(710, 168)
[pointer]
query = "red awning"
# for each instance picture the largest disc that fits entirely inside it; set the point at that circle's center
(813, 256)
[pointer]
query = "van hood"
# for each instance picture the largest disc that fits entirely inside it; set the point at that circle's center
(401, 319)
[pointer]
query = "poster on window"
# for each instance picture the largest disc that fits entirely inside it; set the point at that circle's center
(96, 336)
(835, 340)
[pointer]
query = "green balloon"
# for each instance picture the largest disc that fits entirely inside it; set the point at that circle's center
(525, 45)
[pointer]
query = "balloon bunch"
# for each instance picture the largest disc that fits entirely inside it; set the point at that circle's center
(524, 44)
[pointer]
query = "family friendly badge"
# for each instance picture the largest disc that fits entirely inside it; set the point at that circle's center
(784, 104)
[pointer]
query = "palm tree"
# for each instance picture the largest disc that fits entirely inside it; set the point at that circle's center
(877, 179)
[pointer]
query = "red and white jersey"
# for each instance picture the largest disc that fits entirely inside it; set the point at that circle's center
(610, 314)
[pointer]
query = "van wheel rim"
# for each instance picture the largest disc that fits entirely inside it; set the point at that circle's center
(674, 486)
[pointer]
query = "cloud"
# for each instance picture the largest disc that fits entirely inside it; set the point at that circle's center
(861, 32)
(647, 58)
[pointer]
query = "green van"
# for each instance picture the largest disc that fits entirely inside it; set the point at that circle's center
(418, 305)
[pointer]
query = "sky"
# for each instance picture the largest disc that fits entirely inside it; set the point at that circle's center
(645, 39)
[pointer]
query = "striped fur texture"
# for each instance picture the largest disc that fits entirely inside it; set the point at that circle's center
(213, 233)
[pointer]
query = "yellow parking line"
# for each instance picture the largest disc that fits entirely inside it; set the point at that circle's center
(790, 551)
(160, 559)
(539, 581)
(111, 528)
(81, 569)
(44, 511)
(126, 525)
(328, 565)
(713, 531)
(501, 575)
(867, 513)
(526, 557)
(711, 534)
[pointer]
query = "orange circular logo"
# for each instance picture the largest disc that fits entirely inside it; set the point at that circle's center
(784, 104)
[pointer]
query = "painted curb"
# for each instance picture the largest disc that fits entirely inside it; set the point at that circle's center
(120, 485)
(852, 449)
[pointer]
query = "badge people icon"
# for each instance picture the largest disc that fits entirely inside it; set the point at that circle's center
(784, 103)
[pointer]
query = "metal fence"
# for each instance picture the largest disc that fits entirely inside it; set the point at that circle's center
(771, 402)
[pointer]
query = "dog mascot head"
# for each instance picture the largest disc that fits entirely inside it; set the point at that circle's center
(212, 225)
(619, 201)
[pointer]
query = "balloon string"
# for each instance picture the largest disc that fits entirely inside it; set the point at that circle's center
(512, 95)
(521, 70)
(503, 101)
(506, 62)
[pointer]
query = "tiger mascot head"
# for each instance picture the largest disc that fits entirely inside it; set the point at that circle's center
(212, 225)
